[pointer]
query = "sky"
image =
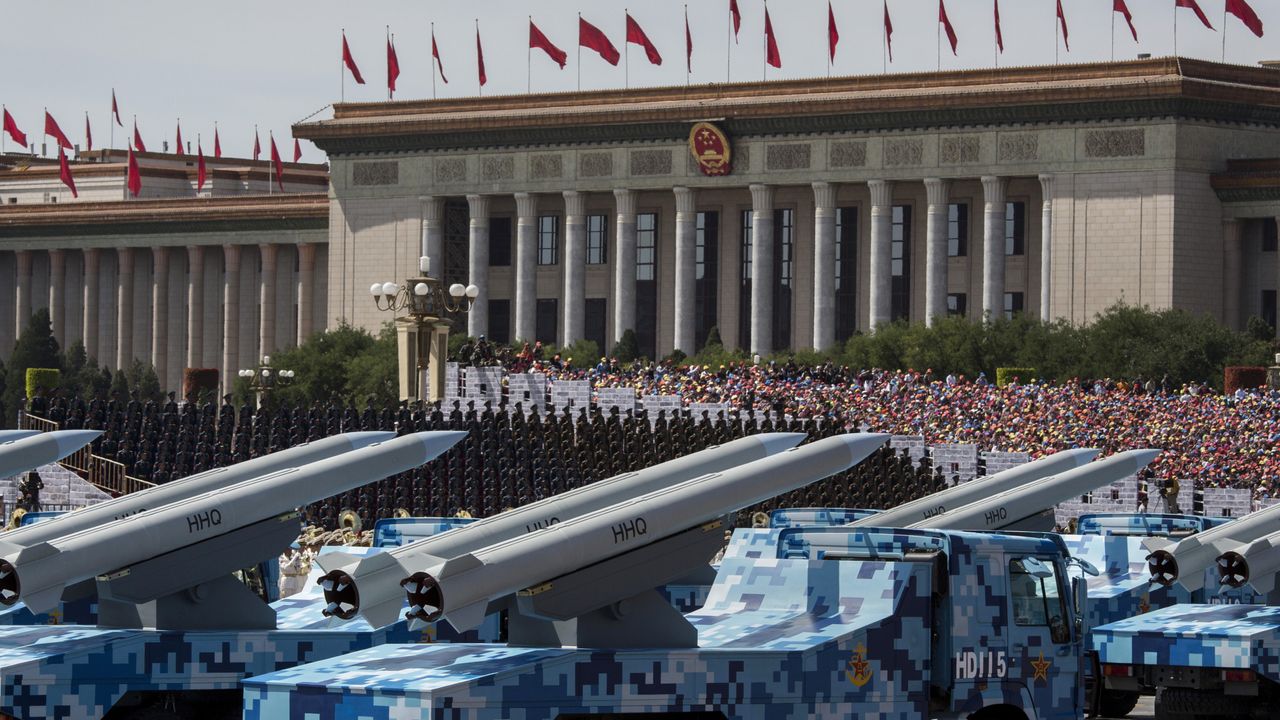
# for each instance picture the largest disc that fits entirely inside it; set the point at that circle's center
(272, 63)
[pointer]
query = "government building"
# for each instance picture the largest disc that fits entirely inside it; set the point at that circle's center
(787, 214)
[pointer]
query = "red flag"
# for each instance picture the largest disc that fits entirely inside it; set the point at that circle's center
(180, 145)
(888, 30)
(946, 26)
(771, 55)
(137, 139)
(135, 176)
(257, 146)
(484, 77)
(277, 164)
(217, 144)
(393, 68)
(297, 150)
(1120, 7)
(435, 54)
(115, 109)
(350, 61)
(11, 127)
(636, 36)
(590, 37)
(1193, 5)
(736, 18)
(88, 134)
(1241, 9)
(999, 34)
(200, 168)
(64, 172)
(1062, 20)
(688, 43)
(833, 35)
(51, 129)
(538, 41)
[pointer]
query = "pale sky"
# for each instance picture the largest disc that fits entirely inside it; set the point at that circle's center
(275, 62)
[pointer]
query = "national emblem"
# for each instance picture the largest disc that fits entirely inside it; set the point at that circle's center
(859, 672)
(1040, 668)
(710, 149)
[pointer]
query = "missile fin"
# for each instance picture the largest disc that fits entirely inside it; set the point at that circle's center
(457, 565)
(34, 553)
(1192, 581)
(467, 617)
(1153, 544)
(45, 600)
(337, 561)
(384, 614)
(1263, 584)
(9, 550)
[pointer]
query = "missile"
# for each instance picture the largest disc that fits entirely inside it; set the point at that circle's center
(1186, 561)
(7, 435)
(19, 456)
(1256, 564)
(190, 486)
(370, 586)
(37, 574)
(978, 489)
(460, 588)
(1014, 506)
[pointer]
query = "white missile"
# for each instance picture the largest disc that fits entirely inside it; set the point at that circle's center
(28, 453)
(460, 589)
(7, 435)
(1186, 561)
(1255, 564)
(370, 586)
(1013, 506)
(190, 486)
(38, 574)
(978, 489)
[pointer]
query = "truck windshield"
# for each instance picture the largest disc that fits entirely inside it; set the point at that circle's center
(1038, 599)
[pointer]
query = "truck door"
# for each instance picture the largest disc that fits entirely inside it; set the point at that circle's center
(1044, 654)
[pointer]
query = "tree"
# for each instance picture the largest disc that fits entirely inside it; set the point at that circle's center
(713, 337)
(36, 347)
(627, 349)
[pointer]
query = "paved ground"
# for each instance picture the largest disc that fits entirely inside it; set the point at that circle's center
(1145, 709)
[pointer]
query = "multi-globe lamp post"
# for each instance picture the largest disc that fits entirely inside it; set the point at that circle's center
(423, 332)
(265, 378)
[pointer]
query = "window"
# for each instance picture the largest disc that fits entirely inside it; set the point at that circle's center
(647, 283)
(900, 264)
(548, 242)
(1012, 304)
(783, 251)
(1038, 599)
(500, 321)
(1015, 228)
(846, 273)
(1269, 235)
(1268, 310)
(597, 240)
(958, 304)
(500, 242)
(744, 291)
(957, 230)
(546, 321)
(595, 321)
(707, 275)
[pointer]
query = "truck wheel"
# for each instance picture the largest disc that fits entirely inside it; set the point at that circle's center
(1187, 704)
(1118, 703)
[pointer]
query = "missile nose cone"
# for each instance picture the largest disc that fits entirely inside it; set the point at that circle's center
(1139, 459)
(70, 441)
(436, 443)
(775, 443)
(365, 439)
(861, 445)
(1082, 456)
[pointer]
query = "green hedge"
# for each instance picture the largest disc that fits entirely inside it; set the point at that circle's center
(1236, 377)
(43, 378)
(1006, 375)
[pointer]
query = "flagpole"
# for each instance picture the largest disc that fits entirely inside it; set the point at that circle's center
(764, 58)
(342, 73)
(388, 65)
(578, 62)
(1113, 35)
(884, 45)
(112, 123)
(3, 110)
(937, 43)
(433, 61)
(528, 64)
(687, 53)
(728, 52)
(1224, 32)
(479, 85)
(1055, 34)
(626, 56)
(271, 138)
(1175, 31)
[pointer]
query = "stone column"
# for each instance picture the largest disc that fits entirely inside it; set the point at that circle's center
(58, 294)
(686, 326)
(881, 280)
(935, 288)
(160, 314)
(267, 252)
(1232, 261)
(575, 267)
(124, 308)
(92, 267)
(306, 290)
(230, 314)
(478, 264)
(1046, 246)
(624, 264)
(824, 266)
(993, 190)
(195, 306)
(762, 270)
(23, 258)
(433, 233)
(526, 303)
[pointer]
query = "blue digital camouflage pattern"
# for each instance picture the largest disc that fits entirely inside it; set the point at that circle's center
(1123, 586)
(394, 532)
(32, 518)
(1216, 636)
(1146, 525)
(809, 517)
(779, 638)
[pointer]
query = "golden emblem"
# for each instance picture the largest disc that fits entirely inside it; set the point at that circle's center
(859, 672)
(1144, 604)
(1040, 668)
(710, 148)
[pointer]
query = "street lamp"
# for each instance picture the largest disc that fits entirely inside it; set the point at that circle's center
(426, 302)
(265, 378)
